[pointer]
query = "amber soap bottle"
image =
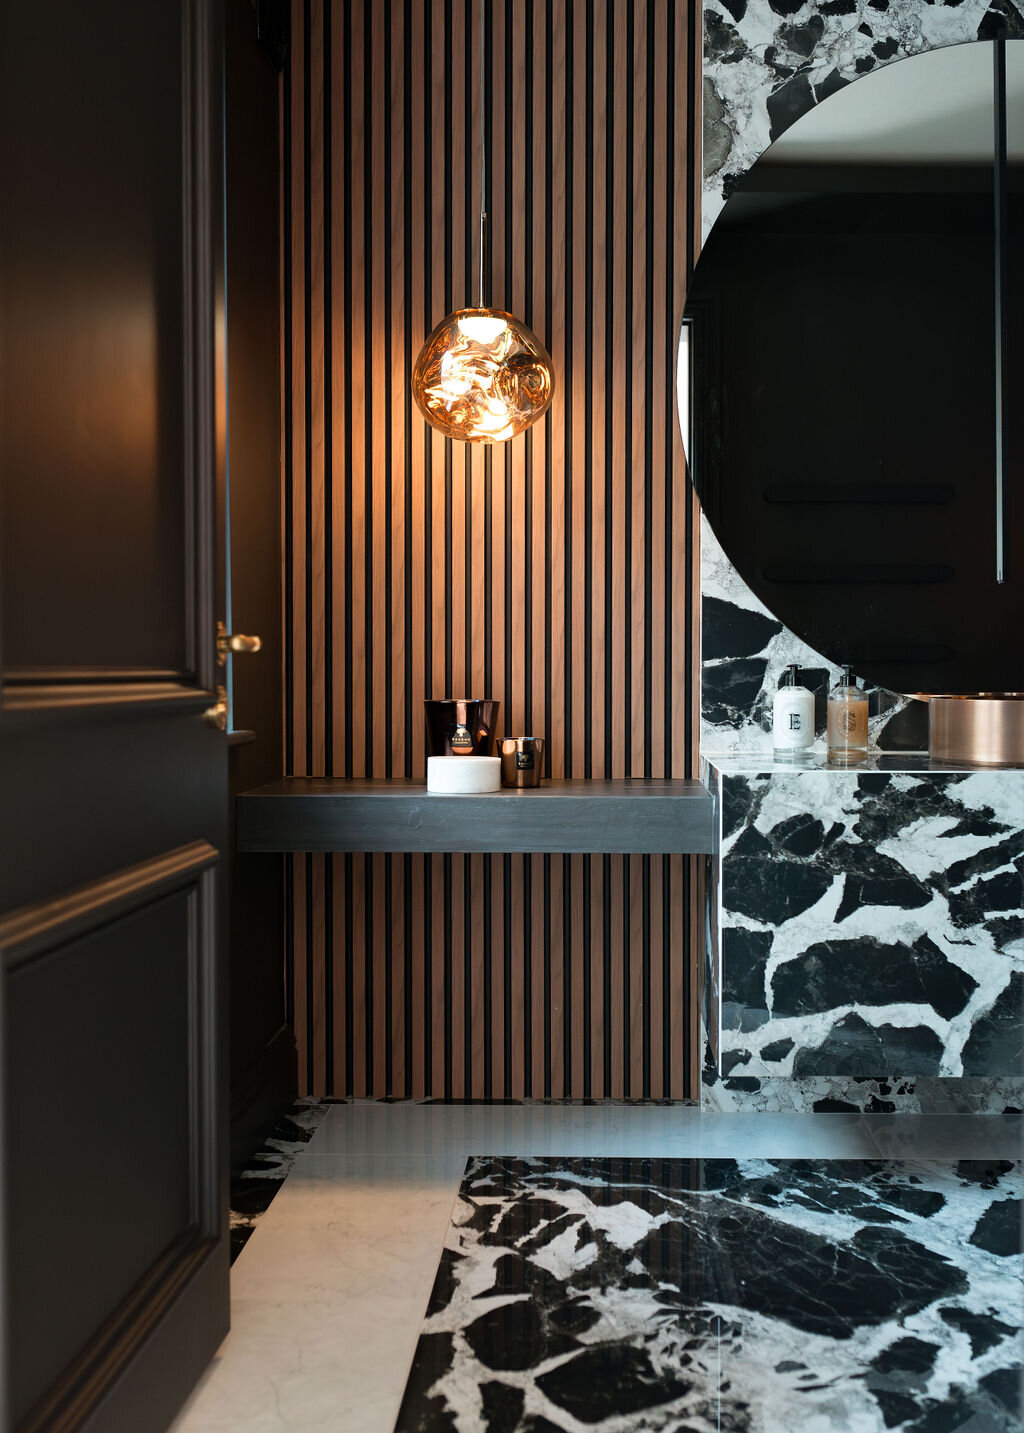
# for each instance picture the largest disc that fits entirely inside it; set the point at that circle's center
(847, 721)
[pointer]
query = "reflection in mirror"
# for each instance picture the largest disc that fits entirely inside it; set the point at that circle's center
(842, 356)
(935, 110)
(684, 382)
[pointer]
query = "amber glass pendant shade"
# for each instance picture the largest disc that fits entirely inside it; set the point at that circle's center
(482, 376)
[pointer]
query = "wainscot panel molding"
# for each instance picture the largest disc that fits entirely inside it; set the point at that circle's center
(555, 572)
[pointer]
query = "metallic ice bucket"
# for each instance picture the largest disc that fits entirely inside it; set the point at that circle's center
(983, 730)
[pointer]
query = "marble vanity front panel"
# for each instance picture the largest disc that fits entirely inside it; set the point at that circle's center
(870, 926)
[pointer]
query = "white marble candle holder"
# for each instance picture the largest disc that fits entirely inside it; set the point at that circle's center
(463, 775)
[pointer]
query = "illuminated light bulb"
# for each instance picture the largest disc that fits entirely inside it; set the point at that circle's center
(482, 376)
(453, 381)
(481, 329)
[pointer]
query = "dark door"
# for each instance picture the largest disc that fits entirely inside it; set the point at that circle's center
(113, 797)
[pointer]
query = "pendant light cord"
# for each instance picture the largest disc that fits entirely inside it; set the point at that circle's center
(483, 157)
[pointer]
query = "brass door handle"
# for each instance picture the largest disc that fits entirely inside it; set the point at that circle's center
(217, 715)
(234, 642)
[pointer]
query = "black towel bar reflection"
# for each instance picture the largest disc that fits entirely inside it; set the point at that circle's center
(908, 494)
(855, 572)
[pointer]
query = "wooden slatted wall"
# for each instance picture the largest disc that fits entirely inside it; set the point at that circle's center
(555, 572)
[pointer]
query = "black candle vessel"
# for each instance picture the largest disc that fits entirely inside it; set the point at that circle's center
(460, 726)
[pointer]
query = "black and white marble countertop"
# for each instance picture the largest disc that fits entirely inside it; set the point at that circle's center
(909, 762)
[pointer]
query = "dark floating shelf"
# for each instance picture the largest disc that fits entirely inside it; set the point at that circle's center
(574, 817)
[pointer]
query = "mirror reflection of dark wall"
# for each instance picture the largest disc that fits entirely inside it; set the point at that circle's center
(843, 349)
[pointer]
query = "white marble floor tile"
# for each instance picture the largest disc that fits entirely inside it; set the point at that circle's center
(664, 1131)
(362, 1192)
(358, 1233)
(304, 1367)
(369, 1128)
(784, 1136)
(949, 1136)
(328, 1296)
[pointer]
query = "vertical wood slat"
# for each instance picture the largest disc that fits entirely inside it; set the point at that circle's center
(598, 398)
(576, 402)
(533, 918)
(376, 258)
(459, 1072)
(417, 1084)
(638, 438)
(558, 570)
(556, 984)
(476, 868)
(621, 383)
(400, 378)
(555, 423)
(336, 1072)
(495, 951)
(314, 296)
(380, 955)
(438, 955)
(298, 697)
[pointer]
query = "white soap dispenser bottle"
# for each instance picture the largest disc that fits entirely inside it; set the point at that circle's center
(792, 716)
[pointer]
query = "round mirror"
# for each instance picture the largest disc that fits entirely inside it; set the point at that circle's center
(856, 360)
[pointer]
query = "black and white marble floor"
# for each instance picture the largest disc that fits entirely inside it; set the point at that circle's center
(329, 1293)
(753, 1295)
(253, 1190)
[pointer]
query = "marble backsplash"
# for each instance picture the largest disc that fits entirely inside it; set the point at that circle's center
(744, 652)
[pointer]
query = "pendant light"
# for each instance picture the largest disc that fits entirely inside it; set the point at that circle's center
(482, 376)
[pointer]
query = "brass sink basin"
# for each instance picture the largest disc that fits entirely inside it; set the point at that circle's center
(984, 729)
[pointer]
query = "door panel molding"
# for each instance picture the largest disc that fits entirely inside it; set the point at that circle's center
(53, 676)
(78, 1394)
(36, 689)
(35, 929)
(205, 410)
(42, 931)
(112, 695)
